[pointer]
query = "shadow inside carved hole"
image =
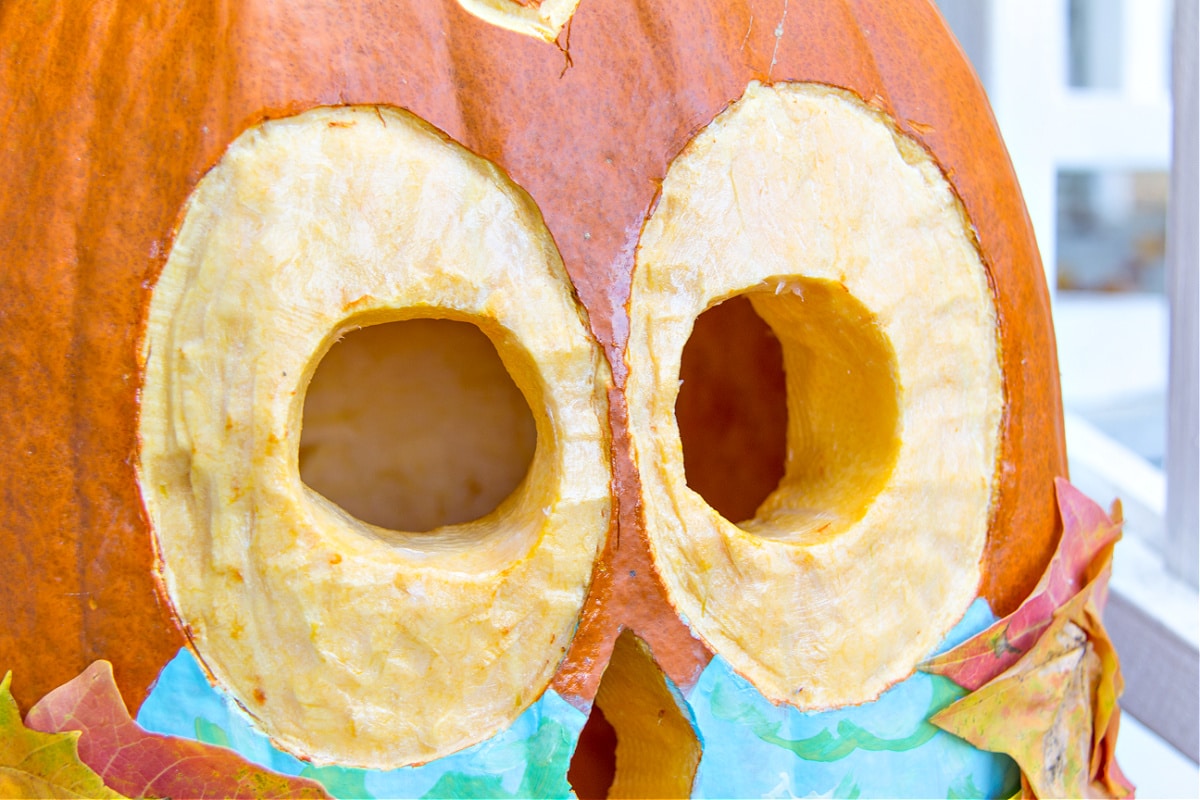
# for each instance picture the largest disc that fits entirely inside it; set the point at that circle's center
(595, 759)
(789, 409)
(732, 409)
(416, 424)
(637, 742)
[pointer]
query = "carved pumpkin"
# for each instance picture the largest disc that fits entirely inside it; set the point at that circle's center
(804, 214)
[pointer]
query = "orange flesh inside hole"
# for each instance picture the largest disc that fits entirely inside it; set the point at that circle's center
(416, 424)
(652, 750)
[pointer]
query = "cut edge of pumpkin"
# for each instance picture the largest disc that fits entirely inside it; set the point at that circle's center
(544, 20)
(656, 747)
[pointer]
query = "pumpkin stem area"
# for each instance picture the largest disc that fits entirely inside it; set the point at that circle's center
(414, 425)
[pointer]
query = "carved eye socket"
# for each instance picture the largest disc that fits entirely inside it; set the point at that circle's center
(839, 437)
(849, 244)
(350, 642)
(415, 425)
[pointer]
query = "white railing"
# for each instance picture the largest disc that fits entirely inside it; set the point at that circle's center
(1022, 50)
(1049, 126)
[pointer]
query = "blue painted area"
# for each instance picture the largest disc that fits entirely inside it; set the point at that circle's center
(881, 749)
(530, 758)
(751, 748)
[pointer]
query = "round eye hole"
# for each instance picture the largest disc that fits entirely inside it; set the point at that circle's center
(732, 409)
(379, 546)
(787, 409)
(415, 425)
(814, 395)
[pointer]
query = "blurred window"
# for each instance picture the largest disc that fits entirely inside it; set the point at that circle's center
(1112, 230)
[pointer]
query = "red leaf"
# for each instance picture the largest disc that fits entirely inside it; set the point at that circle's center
(1055, 711)
(1045, 680)
(142, 764)
(1086, 532)
(39, 764)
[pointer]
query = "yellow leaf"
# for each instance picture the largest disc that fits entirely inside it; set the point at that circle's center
(1055, 710)
(34, 764)
(1039, 712)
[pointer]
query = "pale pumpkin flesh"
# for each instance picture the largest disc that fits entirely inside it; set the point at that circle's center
(351, 643)
(851, 246)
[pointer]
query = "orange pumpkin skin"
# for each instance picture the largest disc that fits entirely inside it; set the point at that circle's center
(111, 118)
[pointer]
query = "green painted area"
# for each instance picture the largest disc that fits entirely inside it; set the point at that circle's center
(456, 785)
(848, 789)
(340, 782)
(547, 756)
(963, 789)
(211, 733)
(832, 744)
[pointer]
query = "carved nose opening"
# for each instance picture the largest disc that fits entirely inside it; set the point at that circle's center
(414, 425)
(638, 741)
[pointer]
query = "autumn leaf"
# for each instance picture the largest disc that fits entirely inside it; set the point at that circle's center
(1050, 704)
(142, 764)
(36, 764)
(1089, 614)
(1087, 531)
(1041, 711)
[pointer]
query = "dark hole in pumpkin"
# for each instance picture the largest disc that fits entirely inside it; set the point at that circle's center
(637, 741)
(732, 409)
(595, 760)
(415, 424)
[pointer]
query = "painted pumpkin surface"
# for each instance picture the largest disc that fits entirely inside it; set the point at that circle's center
(436, 399)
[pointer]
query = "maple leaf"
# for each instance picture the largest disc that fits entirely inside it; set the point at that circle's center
(36, 764)
(1087, 532)
(143, 764)
(1049, 703)
(1044, 710)
(1088, 611)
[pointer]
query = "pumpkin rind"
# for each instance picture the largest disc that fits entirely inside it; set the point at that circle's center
(112, 116)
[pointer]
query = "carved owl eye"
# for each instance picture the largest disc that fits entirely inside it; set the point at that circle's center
(847, 241)
(352, 642)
